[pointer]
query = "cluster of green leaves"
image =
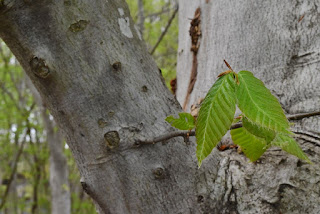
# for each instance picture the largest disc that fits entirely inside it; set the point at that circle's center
(264, 123)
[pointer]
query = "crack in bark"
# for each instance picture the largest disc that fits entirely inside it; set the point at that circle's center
(308, 138)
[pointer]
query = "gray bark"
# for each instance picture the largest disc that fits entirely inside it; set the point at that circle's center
(279, 42)
(104, 91)
(59, 173)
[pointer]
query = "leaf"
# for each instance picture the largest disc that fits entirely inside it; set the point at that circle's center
(290, 145)
(215, 115)
(258, 131)
(258, 104)
(252, 146)
(184, 122)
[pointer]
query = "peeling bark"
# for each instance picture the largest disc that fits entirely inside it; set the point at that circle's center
(195, 34)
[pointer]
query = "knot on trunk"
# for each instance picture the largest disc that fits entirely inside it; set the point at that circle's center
(112, 139)
(78, 26)
(102, 123)
(39, 67)
(116, 66)
(159, 173)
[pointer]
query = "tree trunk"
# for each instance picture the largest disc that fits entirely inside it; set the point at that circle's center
(103, 88)
(141, 17)
(59, 183)
(59, 173)
(279, 42)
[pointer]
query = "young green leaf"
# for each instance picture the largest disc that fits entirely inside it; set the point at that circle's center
(252, 146)
(258, 104)
(288, 144)
(215, 115)
(184, 122)
(258, 131)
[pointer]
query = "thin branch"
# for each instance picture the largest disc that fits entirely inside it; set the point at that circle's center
(302, 115)
(165, 30)
(186, 134)
(167, 136)
(164, 10)
(6, 91)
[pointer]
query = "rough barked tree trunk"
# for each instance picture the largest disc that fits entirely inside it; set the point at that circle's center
(95, 75)
(279, 41)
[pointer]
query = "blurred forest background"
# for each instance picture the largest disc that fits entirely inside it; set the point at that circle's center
(25, 125)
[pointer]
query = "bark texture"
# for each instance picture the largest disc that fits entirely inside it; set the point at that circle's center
(279, 42)
(95, 75)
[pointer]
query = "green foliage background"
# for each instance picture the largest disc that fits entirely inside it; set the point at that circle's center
(157, 14)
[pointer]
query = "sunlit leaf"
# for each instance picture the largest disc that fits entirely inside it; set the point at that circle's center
(215, 115)
(258, 104)
(290, 145)
(252, 146)
(184, 122)
(258, 131)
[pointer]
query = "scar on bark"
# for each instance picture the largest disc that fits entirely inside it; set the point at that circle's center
(195, 33)
(39, 67)
(173, 85)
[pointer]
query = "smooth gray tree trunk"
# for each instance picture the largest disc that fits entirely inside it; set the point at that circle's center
(59, 183)
(279, 41)
(59, 172)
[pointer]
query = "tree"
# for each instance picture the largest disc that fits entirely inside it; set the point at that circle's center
(106, 94)
(276, 41)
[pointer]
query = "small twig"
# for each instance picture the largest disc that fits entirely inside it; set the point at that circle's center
(170, 135)
(165, 30)
(186, 134)
(302, 115)
(6, 91)
(165, 137)
(159, 13)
